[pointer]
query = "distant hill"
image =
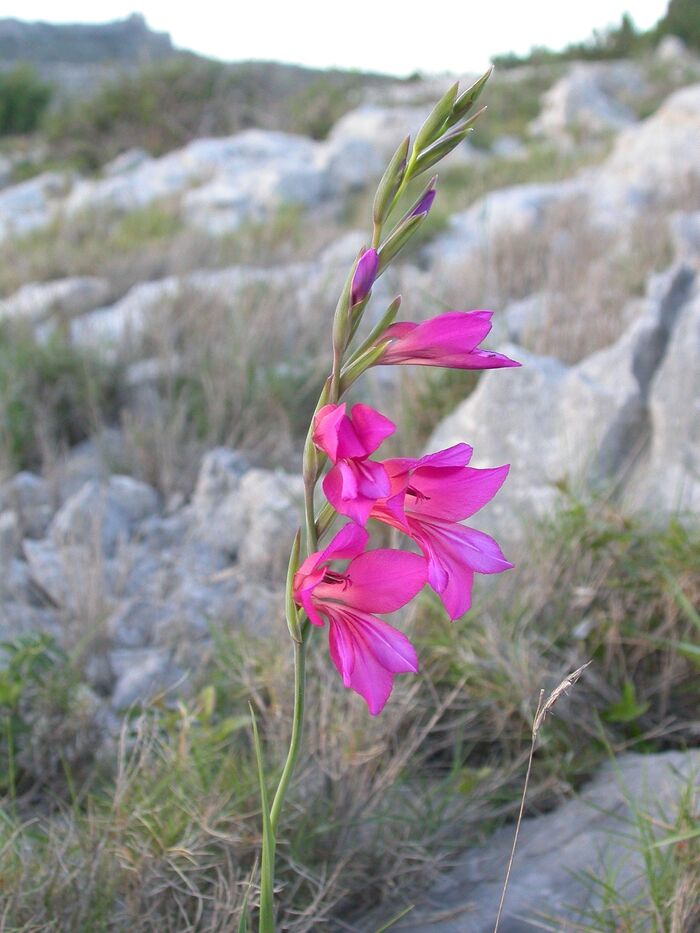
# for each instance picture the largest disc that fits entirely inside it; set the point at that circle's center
(127, 41)
(75, 58)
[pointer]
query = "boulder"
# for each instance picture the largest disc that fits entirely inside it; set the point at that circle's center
(215, 502)
(99, 515)
(271, 503)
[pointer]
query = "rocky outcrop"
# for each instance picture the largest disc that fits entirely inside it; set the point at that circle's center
(588, 427)
(669, 478)
(655, 161)
(592, 98)
(128, 41)
(143, 586)
(586, 838)
(62, 298)
(32, 204)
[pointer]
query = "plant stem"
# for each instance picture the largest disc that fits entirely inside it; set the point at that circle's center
(311, 536)
(297, 727)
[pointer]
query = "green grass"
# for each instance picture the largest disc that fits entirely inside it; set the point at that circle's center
(664, 896)
(50, 396)
(169, 839)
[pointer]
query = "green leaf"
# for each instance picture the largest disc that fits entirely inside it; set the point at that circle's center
(353, 372)
(267, 863)
(289, 604)
(677, 837)
(681, 599)
(688, 650)
(206, 701)
(395, 919)
(626, 709)
(397, 239)
(243, 922)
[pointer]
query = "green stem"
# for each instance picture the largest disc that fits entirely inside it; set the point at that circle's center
(297, 728)
(311, 535)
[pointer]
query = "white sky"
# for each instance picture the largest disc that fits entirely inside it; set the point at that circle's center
(377, 35)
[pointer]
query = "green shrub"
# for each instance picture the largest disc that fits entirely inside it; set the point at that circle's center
(682, 19)
(46, 716)
(23, 99)
(50, 394)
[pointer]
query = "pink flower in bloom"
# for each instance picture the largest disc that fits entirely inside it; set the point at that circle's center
(354, 482)
(429, 498)
(365, 274)
(448, 340)
(366, 651)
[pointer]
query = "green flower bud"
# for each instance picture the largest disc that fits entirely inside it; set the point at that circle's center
(438, 116)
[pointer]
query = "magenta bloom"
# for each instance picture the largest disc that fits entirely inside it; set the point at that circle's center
(354, 483)
(429, 498)
(366, 651)
(448, 340)
(365, 274)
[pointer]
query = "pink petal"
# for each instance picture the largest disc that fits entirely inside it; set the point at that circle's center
(454, 554)
(371, 479)
(303, 589)
(478, 359)
(346, 544)
(452, 494)
(342, 648)
(446, 336)
(391, 511)
(367, 653)
(384, 580)
(398, 468)
(335, 435)
(371, 428)
(458, 455)
(340, 486)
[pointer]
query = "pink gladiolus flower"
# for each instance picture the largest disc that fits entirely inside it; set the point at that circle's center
(365, 274)
(429, 498)
(448, 340)
(366, 651)
(354, 483)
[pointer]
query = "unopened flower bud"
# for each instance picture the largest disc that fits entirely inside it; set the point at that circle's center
(365, 274)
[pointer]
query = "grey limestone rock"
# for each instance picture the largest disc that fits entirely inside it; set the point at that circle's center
(579, 427)
(62, 298)
(103, 513)
(31, 498)
(594, 833)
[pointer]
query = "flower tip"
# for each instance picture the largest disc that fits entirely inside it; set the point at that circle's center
(365, 274)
